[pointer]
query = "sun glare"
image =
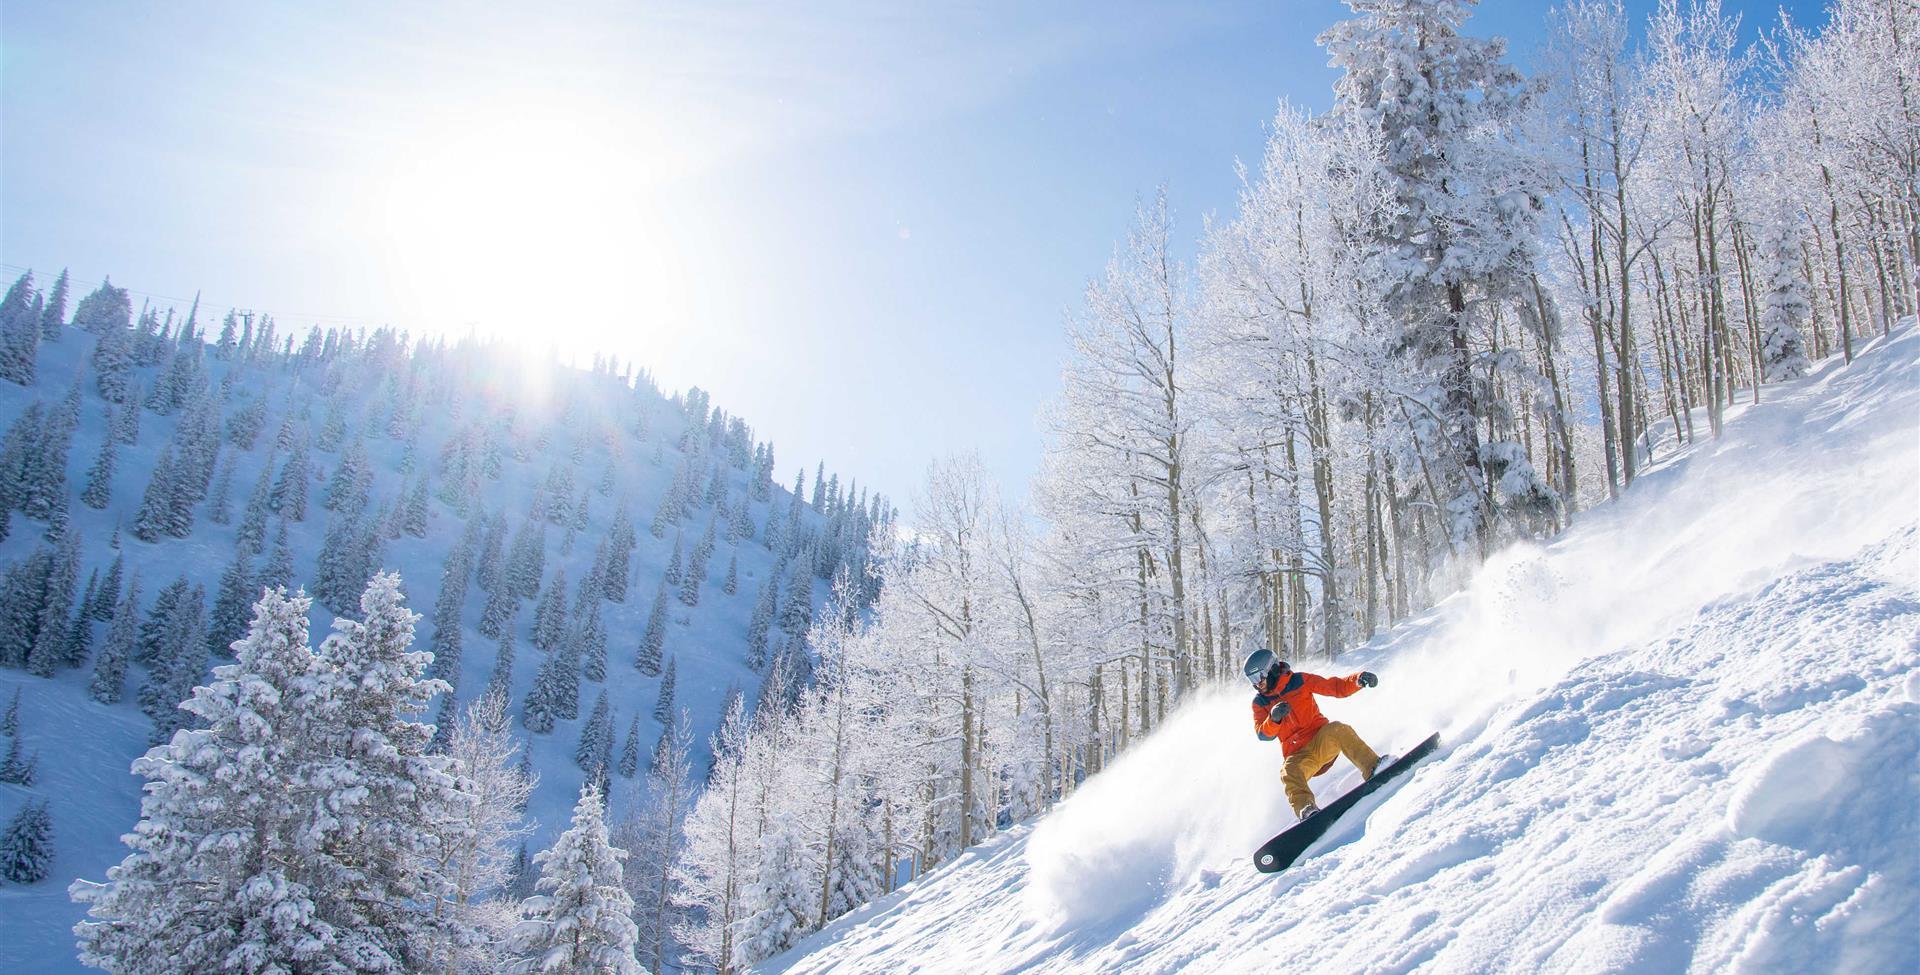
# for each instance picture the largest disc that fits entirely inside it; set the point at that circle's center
(540, 229)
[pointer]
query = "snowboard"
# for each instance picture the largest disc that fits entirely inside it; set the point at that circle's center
(1280, 852)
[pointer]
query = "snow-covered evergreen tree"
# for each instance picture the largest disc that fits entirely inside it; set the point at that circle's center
(232, 605)
(630, 752)
(648, 659)
(98, 492)
(663, 706)
(107, 596)
(26, 846)
(589, 640)
(278, 570)
(384, 788)
(596, 738)
(180, 664)
(17, 767)
(676, 564)
(581, 921)
(545, 701)
(53, 315)
(797, 614)
(123, 634)
(220, 874)
(550, 614)
(251, 535)
(19, 331)
(1785, 309)
(50, 651)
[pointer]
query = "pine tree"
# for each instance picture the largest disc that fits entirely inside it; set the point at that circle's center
(1784, 304)
(497, 617)
(663, 707)
(500, 681)
(108, 595)
(648, 659)
(154, 519)
(591, 641)
(10, 718)
(50, 650)
(19, 331)
(542, 706)
(550, 614)
(99, 490)
(53, 316)
(232, 606)
(222, 861)
(17, 451)
(797, 614)
(290, 490)
(170, 685)
(760, 624)
(45, 475)
(278, 571)
(697, 568)
(731, 584)
(26, 848)
(386, 789)
(219, 505)
(526, 560)
(581, 924)
(413, 513)
(22, 595)
(79, 639)
(124, 425)
(675, 565)
(596, 737)
(123, 634)
(448, 608)
(152, 648)
(17, 768)
(630, 754)
(251, 536)
(620, 541)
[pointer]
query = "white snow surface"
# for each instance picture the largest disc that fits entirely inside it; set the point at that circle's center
(1679, 738)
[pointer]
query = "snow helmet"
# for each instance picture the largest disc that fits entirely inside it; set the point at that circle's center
(1257, 666)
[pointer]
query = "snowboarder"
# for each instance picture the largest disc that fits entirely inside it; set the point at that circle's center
(1283, 708)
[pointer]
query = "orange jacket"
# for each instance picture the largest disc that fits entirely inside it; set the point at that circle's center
(1304, 720)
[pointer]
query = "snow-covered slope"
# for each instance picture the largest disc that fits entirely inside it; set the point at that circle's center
(1682, 737)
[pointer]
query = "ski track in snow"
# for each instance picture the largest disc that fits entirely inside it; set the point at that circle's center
(1680, 738)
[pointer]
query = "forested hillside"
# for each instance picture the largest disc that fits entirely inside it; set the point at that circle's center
(618, 564)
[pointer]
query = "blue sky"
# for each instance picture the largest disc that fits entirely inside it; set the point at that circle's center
(858, 225)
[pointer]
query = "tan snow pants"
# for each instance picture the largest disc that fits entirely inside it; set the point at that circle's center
(1330, 742)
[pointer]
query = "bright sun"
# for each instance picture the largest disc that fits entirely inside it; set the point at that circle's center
(538, 228)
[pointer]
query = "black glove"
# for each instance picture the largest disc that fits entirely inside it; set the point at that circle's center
(1279, 712)
(1367, 679)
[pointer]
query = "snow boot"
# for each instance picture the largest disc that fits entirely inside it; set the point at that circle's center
(1308, 810)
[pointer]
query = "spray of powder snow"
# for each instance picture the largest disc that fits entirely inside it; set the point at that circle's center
(1815, 473)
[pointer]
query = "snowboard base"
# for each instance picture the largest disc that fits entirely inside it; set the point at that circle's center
(1282, 851)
